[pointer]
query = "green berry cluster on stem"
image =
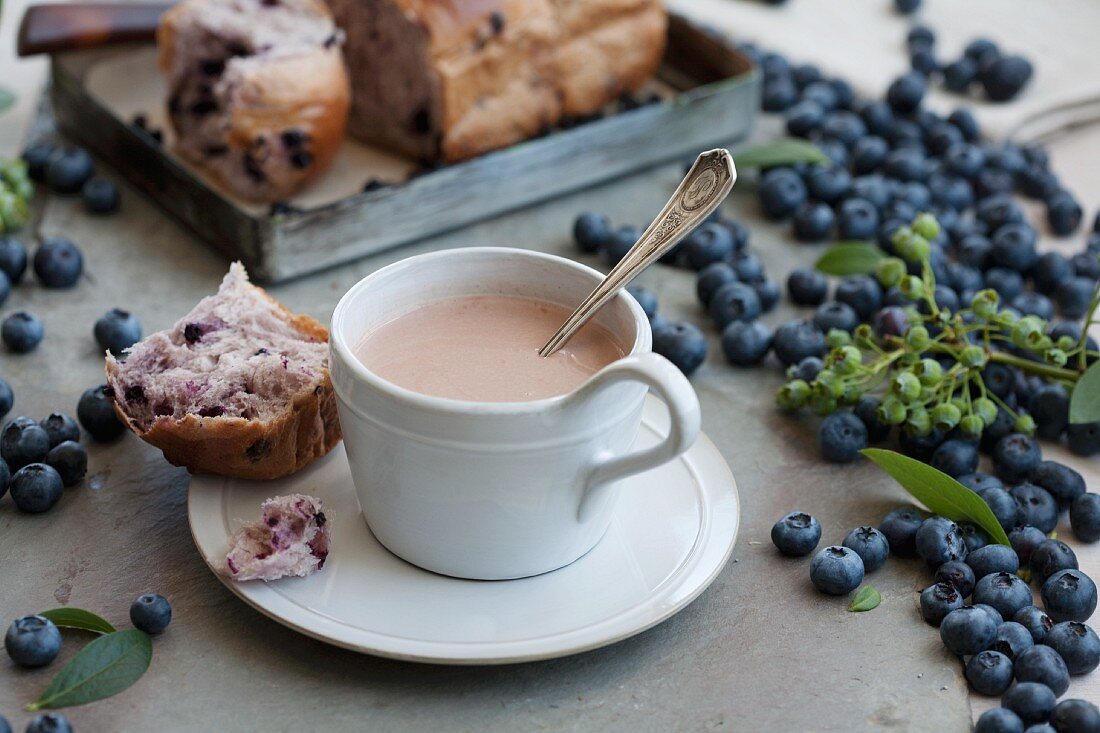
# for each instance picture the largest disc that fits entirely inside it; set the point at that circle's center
(16, 191)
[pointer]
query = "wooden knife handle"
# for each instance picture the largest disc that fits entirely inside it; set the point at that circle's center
(57, 28)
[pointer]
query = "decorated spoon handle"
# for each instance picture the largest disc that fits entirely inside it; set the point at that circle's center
(704, 187)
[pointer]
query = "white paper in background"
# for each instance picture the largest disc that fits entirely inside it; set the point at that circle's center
(863, 41)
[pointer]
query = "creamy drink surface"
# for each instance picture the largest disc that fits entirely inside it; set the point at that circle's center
(484, 348)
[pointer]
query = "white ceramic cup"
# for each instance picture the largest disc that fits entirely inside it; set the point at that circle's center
(495, 490)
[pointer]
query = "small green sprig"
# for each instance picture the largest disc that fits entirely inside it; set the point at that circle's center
(16, 191)
(930, 377)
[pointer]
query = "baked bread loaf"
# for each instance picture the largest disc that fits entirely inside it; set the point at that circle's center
(238, 387)
(258, 93)
(451, 79)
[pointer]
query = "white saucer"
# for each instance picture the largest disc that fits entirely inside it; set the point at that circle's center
(672, 532)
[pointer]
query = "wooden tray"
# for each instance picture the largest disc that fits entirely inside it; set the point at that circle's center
(709, 96)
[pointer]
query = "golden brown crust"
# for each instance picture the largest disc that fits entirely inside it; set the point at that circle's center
(251, 449)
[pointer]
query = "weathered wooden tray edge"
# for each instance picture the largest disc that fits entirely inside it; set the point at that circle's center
(292, 244)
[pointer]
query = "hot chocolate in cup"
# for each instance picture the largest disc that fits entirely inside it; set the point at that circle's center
(495, 488)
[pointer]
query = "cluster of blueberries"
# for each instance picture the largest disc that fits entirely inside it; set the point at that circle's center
(1001, 76)
(46, 455)
(70, 171)
(35, 641)
(57, 264)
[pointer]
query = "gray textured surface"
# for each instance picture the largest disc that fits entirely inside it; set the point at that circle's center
(758, 651)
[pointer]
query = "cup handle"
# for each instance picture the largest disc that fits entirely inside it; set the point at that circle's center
(673, 388)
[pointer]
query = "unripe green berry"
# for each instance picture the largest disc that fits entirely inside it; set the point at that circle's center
(1066, 343)
(891, 411)
(918, 421)
(822, 404)
(917, 337)
(945, 416)
(985, 410)
(971, 426)
(901, 236)
(912, 287)
(972, 356)
(906, 386)
(793, 394)
(926, 225)
(928, 371)
(864, 335)
(1025, 424)
(1055, 357)
(847, 359)
(985, 302)
(1024, 332)
(851, 394)
(837, 338)
(890, 271)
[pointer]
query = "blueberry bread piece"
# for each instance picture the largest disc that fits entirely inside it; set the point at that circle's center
(292, 538)
(257, 91)
(238, 387)
(445, 81)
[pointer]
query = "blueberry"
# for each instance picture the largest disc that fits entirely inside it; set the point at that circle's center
(768, 292)
(738, 232)
(1031, 701)
(1035, 506)
(917, 446)
(779, 93)
(959, 75)
(13, 258)
(999, 720)
(1007, 283)
(805, 74)
(996, 211)
(822, 94)
(805, 117)
(1084, 517)
(70, 460)
(974, 537)
(1074, 296)
(1077, 644)
(836, 571)
(1043, 665)
(32, 641)
(1075, 716)
(96, 409)
(974, 250)
(1002, 505)
(938, 600)
(906, 7)
(920, 36)
(993, 559)
(900, 528)
(1068, 595)
(842, 125)
(813, 222)
(1036, 621)
(1060, 481)
(734, 301)
(828, 184)
(891, 321)
(1013, 638)
(620, 242)
(1037, 182)
(871, 545)
(1014, 247)
(23, 441)
(958, 574)
(841, 436)
(746, 343)
(861, 292)
(806, 286)
(748, 267)
(979, 482)
(21, 332)
(591, 231)
(1063, 213)
(1086, 264)
(709, 243)
(37, 157)
(940, 540)
(1030, 303)
(49, 723)
(905, 164)
(795, 340)
(1083, 438)
(151, 613)
(60, 428)
(781, 192)
(796, 534)
(35, 488)
(58, 263)
(868, 154)
(713, 277)
(835, 315)
(67, 171)
(989, 673)
(955, 457)
(100, 196)
(1048, 557)
(5, 477)
(1005, 77)
(906, 92)
(1015, 456)
(923, 61)
(1005, 592)
(1050, 271)
(646, 298)
(867, 410)
(807, 369)
(968, 630)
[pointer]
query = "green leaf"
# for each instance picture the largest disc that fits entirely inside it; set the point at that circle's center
(938, 491)
(867, 599)
(1084, 403)
(106, 666)
(785, 151)
(77, 618)
(7, 98)
(850, 258)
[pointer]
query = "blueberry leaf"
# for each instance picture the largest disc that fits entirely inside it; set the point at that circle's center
(850, 258)
(785, 151)
(106, 666)
(77, 618)
(1084, 403)
(867, 599)
(938, 491)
